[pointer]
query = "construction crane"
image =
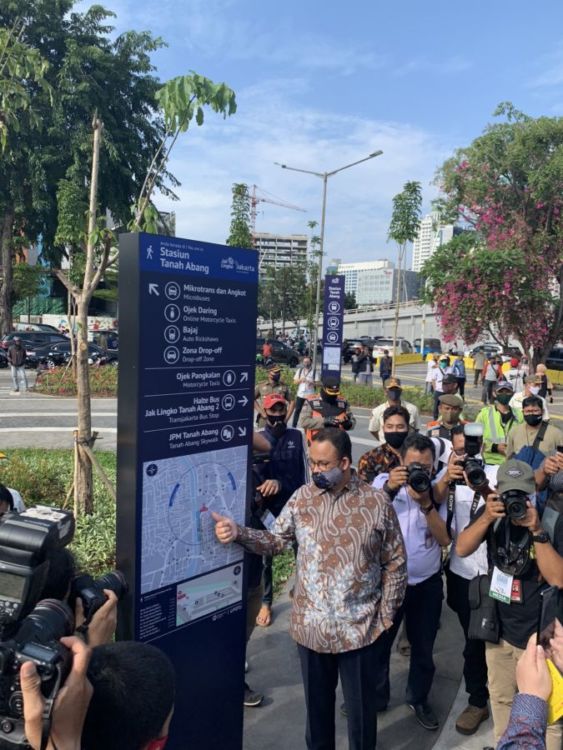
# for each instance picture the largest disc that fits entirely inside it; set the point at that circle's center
(266, 197)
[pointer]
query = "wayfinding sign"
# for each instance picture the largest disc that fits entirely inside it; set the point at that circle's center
(333, 324)
(185, 406)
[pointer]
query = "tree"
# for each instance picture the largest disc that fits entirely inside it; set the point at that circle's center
(507, 276)
(27, 282)
(405, 221)
(350, 301)
(240, 234)
(283, 294)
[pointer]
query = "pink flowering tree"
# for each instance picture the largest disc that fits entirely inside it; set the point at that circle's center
(504, 276)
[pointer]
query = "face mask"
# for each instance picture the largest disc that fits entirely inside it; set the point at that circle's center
(158, 744)
(277, 424)
(533, 419)
(275, 378)
(327, 397)
(395, 439)
(326, 480)
(534, 390)
(394, 394)
(443, 365)
(504, 398)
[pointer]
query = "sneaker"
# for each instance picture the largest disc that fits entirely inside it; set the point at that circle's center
(425, 715)
(251, 698)
(470, 719)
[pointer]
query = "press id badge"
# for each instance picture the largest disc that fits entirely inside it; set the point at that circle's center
(501, 586)
(268, 519)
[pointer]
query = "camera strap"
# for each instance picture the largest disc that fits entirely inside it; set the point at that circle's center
(46, 720)
(451, 507)
(540, 436)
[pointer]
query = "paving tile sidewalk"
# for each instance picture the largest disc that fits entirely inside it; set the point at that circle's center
(279, 724)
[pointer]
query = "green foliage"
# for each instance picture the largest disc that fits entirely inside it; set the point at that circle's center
(21, 68)
(27, 280)
(508, 186)
(44, 477)
(185, 96)
(61, 382)
(283, 568)
(350, 301)
(283, 293)
(405, 219)
(240, 234)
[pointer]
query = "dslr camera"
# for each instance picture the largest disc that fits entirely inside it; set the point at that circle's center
(515, 504)
(417, 477)
(92, 592)
(30, 631)
(473, 467)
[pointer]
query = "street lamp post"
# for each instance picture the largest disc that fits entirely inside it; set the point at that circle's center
(324, 177)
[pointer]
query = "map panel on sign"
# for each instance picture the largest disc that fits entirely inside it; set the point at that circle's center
(178, 535)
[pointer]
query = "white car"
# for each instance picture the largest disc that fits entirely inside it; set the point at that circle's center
(403, 347)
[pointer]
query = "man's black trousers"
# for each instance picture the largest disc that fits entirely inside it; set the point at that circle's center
(358, 671)
(421, 609)
(474, 663)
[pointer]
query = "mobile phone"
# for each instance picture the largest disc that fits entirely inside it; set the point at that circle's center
(550, 610)
(560, 449)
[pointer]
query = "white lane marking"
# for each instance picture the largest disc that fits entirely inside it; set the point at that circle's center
(364, 441)
(53, 429)
(9, 415)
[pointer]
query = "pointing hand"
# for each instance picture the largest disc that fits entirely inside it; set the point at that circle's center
(225, 528)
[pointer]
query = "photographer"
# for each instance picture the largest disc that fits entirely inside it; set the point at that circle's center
(469, 481)
(522, 561)
(409, 486)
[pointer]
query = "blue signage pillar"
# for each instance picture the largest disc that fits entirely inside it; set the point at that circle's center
(333, 325)
(185, 411)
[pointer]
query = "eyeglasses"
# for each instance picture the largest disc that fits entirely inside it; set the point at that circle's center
(321, 465)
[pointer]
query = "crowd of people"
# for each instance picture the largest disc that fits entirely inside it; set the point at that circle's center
(471, 508)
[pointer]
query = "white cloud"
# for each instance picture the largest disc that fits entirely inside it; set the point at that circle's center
(551, 67)
(269, 127)
(449, 66)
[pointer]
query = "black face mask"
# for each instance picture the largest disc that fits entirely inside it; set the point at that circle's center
(533, 419)
(394, 394)
(277, 424)
(275, 378)
(395, 439)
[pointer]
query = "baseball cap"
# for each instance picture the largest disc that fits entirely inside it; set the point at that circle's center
(274, 368)
(331, 385)
(443, 357)
(515, 475)
(271, 399)
(451, 400)
(392, 383)
(503, 385)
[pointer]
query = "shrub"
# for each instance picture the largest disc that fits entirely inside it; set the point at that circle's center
(61, 382)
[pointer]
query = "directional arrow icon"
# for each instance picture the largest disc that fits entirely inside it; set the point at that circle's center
(242, 431)
(244, 377)
(153, 289)
(243, 401)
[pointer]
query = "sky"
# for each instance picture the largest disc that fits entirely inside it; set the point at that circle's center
(320, 85)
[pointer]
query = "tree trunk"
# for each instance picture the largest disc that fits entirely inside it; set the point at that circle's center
(83, 480)
(6, 323)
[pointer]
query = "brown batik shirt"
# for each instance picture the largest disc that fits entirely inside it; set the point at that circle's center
(380, 460)
(351, 564)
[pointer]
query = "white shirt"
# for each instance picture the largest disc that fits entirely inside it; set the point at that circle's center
(516, 403)
(424, 554)
(476, 563)
(438, 376)
(376, 421)
(308, 387)
(430, 370)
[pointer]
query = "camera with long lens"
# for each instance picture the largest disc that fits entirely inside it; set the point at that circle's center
(26, 540)
(515, 504)
(91, 591)
(36, 640)
(417, 477)
(473, 467)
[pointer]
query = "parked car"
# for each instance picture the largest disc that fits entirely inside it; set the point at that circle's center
(403, 347)
(554, 359)
(491, 348)
(32, 339)
(431, 346)
(35, 327)
(280, 352)
(3, 358)
(58, 354)
(349, 346)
